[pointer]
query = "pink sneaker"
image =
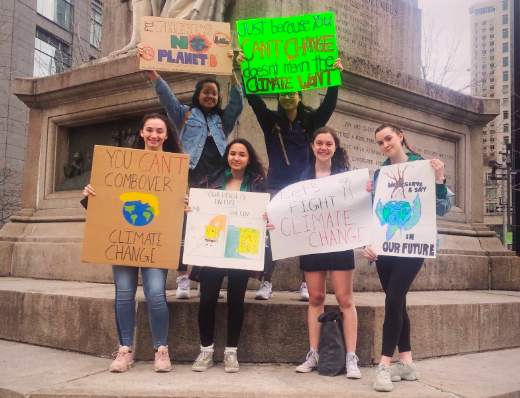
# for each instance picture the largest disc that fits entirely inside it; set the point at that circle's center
(124, 360)
(162, 360)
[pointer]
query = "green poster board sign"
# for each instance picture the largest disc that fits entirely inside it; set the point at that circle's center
(509, 238)
(288, 54)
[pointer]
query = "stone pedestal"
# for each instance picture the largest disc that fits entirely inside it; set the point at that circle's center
(44, 240)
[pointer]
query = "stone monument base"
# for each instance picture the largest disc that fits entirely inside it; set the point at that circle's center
(44, 240)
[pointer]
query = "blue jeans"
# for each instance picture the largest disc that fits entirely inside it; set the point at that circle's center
(154, 280)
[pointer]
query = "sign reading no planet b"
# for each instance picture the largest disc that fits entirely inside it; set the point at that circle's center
(324, 215)
(136, 216)
(288, 54)
(404, 220)
(181, 45)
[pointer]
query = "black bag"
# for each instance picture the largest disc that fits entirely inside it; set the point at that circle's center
(331, 351)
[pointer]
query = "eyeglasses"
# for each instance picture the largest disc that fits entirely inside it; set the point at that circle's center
(287, 95)
(209, 92)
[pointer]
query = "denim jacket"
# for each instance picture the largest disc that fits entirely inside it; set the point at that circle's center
(443, 194)
(195, 130)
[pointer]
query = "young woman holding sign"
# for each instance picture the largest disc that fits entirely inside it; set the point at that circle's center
(287, 133)
(203, 130)
(397, 273)
(329, 158)
(156, 134)
(241, 170)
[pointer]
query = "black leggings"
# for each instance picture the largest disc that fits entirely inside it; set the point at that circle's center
(397, 275)
(210, 283)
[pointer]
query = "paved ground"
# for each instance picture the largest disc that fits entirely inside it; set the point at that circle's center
(30, 371)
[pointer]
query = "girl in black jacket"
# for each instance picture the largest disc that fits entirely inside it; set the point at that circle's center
(241, 170)
(287, 134)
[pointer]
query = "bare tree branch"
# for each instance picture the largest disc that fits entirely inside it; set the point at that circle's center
(441, 61)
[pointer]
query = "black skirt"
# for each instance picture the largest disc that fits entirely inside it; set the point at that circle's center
(337, 261)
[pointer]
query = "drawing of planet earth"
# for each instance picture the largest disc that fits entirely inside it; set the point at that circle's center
(139, 209)
(398, 215)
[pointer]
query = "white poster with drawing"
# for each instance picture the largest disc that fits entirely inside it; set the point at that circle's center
(226, 229)
(404, 219)
(324, 215)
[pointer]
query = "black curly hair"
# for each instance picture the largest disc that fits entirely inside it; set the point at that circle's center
(198, 88)
(255, 164)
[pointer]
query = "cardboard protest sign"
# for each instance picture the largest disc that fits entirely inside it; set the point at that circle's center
(136, 216)
(288, 54)
(404, 220)
(324, 215)
(180, 45)
(226, 229)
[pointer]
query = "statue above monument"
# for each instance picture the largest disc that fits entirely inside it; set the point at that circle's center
(180, 9)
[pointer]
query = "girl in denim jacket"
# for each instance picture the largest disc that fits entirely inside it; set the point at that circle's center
(203, 129)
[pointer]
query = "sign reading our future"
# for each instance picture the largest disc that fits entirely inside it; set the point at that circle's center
(288, 54)
(181, 45)
(136, 216)
(404, 220)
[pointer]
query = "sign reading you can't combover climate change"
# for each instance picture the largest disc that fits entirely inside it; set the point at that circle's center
(136, 216)
(288, 54)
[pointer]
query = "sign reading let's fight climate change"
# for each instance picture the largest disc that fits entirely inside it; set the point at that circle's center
(180, 45)
(288, 54)
(136, 216)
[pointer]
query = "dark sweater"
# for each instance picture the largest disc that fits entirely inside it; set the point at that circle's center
(285, 168)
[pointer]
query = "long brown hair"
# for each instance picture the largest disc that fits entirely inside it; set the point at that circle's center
(396, 129)
(340, 157)
(171, 144)
(255, 164)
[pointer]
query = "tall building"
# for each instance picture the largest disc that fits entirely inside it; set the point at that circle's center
(491, 57)
(37, 38)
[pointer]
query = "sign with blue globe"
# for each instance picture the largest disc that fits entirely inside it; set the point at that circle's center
(139, 209)
(123, 224)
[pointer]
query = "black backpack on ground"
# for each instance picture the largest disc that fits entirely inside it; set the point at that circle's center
(331, 351)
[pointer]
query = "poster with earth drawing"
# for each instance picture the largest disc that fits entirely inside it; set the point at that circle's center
(226, 229)
(404, 220)
(136, 216)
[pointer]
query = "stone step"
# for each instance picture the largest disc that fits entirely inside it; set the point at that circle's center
(28, 371)
(79, 316)
(474, 271)
(53, 251)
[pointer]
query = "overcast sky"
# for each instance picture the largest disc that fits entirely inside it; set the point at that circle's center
(450, 15)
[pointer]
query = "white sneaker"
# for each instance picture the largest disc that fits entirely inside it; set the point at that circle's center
(304, 292)
(311, 362)
(352, 368)
(230, 360)
(205, 359)
(265, 292)
(183, 287)
(220, 293)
